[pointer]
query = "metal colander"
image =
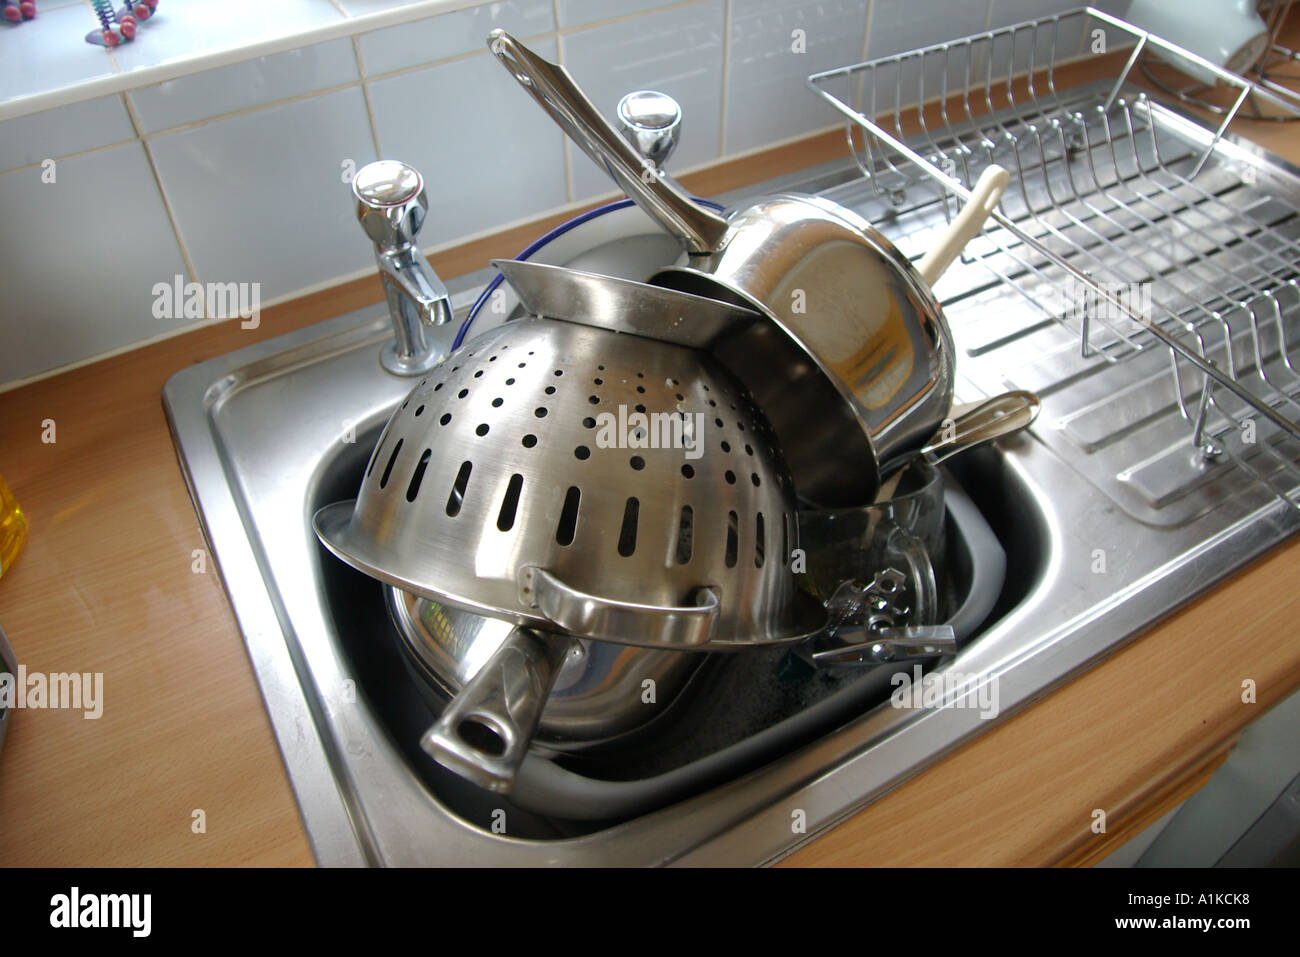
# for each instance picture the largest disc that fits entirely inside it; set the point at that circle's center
(570, 478)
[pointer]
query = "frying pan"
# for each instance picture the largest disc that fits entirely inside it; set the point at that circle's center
(855, 341)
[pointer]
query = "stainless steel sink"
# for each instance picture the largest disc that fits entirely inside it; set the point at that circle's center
(269, 433)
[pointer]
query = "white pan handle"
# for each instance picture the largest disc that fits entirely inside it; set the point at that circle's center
(983, 198)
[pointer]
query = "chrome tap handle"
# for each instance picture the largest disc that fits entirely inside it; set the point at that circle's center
(391, 203)
(391, 207)
(651, 122)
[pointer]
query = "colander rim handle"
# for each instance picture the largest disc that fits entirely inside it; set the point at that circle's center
(604, 619)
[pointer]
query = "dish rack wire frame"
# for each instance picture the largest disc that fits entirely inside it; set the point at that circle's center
(1032, 105)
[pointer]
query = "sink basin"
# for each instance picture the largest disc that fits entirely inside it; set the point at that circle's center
(268, 434)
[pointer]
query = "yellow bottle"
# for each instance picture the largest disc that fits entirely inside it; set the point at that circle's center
(13, 527)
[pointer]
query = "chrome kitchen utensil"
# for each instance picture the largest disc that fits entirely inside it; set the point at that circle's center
(651, 122)
(616, 239)
(391, 207)
(622, 305)
(486, 730)
(971, 426)
(979, 423)
(569, 478)
(600, 690)
(855, 342)
(575, 481)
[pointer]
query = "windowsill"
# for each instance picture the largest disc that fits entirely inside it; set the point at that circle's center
(49, 64)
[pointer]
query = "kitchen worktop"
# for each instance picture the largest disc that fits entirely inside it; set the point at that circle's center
(115, 578)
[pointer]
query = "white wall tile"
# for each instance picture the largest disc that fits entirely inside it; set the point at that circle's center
(488, 154)
(84, 286)
(67, 129)
(464, 31)
(1039, 46)
(179, 30)
(49, 52)
(901, 25)
(767, 98)
(259, 197)
(201, 96)
(576, 13)
(678, 52)
(1007, 12)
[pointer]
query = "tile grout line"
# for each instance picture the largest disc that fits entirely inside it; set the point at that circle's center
(433, 249)
(557, 34)
(268, 45)
(162, 193)
(75, 155)
(364, 78)
(117, 67)
(257, 107)
(566, 148)
(862, 79)
(308, 41)
(726, 76)
(562, 33)
(624, 17)
(988, 19)
(365, 95)
(245, 111)
(866, 33)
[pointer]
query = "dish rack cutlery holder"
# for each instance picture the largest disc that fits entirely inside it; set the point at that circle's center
(1120, 222)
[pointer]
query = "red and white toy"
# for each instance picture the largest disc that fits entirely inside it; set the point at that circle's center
(119, 26)
(16, 11)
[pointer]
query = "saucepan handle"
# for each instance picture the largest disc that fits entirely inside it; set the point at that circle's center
(984, 198)
(552, 86)
(484, 733)
(975, 426)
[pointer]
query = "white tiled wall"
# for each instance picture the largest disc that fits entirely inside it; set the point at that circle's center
(489, 156)
(237, 174)
(678, 51)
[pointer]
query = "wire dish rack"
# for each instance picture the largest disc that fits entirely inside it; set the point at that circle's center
(1135, 227)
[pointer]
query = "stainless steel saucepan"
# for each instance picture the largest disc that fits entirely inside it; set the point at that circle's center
(602, 691)
(855, 366)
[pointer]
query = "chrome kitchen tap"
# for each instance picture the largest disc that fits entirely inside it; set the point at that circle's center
(651, 122)
(391, 206)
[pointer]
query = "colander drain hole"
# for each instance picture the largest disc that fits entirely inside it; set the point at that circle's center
(388, 469)
(627, 534)
(685, 535)
(457, 496)
(510, 503)
(413, 489)
(569, 516)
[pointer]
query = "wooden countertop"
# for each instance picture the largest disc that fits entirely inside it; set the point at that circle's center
(106, 584)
